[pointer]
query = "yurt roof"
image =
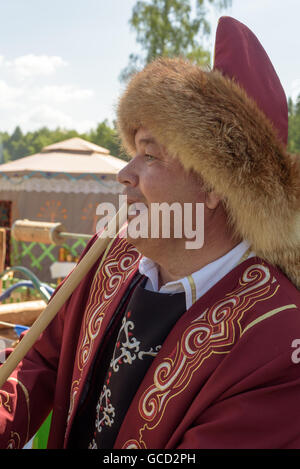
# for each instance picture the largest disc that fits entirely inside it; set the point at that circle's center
(74, 155)
(76, 144)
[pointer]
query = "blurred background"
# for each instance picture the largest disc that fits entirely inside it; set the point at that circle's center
(63, 63)
(63, 66)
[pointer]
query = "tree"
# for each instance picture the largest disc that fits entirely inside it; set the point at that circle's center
(290, 107)
(4, 153)
(297, 106)
(20, 144)
(106, 137)
(294, 126)
(171, 28)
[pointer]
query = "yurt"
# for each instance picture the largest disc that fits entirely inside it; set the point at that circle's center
(64, 183)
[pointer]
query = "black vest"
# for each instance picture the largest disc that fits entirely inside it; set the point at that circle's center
(133, 340)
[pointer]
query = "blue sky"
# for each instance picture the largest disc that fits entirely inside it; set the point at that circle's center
(60, 60)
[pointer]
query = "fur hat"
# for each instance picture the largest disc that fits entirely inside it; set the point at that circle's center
(227, 132)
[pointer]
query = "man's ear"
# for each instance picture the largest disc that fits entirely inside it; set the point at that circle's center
(212, 200)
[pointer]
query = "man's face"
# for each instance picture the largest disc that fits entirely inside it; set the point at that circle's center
(153, 176)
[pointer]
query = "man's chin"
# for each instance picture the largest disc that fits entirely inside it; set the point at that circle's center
(151, 247)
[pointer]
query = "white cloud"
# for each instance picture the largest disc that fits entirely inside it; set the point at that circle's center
(30, 65)
(9, 96)
(31, 97)
(62, 94)
(45, 115)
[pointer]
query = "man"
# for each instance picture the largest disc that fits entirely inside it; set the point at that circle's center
(161, 346)
(149, 179)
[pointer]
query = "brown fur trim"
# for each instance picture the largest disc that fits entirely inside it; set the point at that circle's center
(209, 123)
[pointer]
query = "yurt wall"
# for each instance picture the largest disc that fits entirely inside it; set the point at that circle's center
(56, 196)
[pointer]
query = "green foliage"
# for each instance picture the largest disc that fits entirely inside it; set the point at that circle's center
(19, 144)
(170, 28)
(106, 137)
(294, 126)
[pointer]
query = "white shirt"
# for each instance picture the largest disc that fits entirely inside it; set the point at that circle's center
(198, 283)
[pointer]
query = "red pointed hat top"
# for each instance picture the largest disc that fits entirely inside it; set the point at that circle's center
(240, 55)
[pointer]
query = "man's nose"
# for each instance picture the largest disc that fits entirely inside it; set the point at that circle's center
(128, 175)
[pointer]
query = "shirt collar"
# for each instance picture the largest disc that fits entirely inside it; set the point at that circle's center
(199, 282)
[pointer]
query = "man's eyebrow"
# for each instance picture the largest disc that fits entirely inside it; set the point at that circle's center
(146, 141)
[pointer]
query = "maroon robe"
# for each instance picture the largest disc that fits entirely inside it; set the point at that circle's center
(225, 376)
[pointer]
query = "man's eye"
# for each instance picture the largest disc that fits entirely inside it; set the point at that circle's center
(149, 157)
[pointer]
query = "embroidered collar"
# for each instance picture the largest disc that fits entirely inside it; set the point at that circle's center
(199, 282)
